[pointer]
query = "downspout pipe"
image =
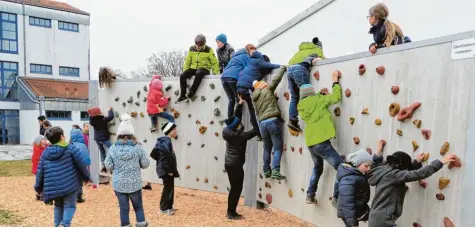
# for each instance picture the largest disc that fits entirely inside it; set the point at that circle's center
(24, 38)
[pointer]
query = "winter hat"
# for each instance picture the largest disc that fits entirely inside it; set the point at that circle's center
(306, 90)
(168, 127)
(125, 127)
(38, 139)
(401, 160)
(156, 83)
(232, 122)
(94, 112)
(222, 38)
(359, 157)
(200, 39)
(259, 84)
(317, 42)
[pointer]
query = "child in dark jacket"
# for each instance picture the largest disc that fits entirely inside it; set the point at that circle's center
(389, 180)
(60, 171)
(166, 167)
(236, 139)
(101, 131)
(224, 51)
(230, 75)
(156, 102)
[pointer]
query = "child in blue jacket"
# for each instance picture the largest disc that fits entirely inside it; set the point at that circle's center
(230, 75)
(77, 139)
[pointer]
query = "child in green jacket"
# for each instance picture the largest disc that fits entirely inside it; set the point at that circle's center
(313, 109)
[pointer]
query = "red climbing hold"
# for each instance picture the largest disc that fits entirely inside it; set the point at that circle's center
(316, 75)
(426, 133)
(269, 198)
(361, 69)
(456, 163)
(300, 150)
(415, 224)
(395, 90)
(380, 70)
(423, 183)
(440, 196)
(260, 196)
(292, 149)
(407, 112)
(286, 96)
(348, 92)
(448, 223)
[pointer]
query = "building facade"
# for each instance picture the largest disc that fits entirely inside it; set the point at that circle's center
(44, 66)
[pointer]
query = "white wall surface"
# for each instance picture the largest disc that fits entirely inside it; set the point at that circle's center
(9, 105)
(343, 28)
(18, 58)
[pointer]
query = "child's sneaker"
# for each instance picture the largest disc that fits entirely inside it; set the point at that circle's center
(192, 97)
(310, 200)
(181, 100)
(152, 129)
(147, 187)
(164, 212)
(267, 173)
(142, 224)
(234, 216)
(276, 175)
(80, 199)
(293, 125)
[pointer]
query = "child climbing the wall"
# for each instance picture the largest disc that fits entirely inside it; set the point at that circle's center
(166, 166)
(126, 158)
(298, 74)
(77, 140)
(313, 109)
(385, 32)
(62, 166)
(101, 131)
(269, 117)
(39, 145)
(200, 59)
(156, 103)
(249, 74)
(354, 190)
(236, 139)
(389, 180)
(230, 76)
(224, 51)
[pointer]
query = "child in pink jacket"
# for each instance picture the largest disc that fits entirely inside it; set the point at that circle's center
(156, 103)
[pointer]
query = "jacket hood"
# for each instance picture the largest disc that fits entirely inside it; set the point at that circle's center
(240, 52)
(257, 94)
(347, 170)
(54, 152)
(257, 55)
(77, 136)
(156, 83)
(378, 173)
(307, 45)
(163, 143)
(126, 150)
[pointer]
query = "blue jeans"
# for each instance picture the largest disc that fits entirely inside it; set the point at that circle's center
(318, 153)
(229, 85)
(167, 116)
(65, 207)
(102, 149)
(136, 199)
(272, 139)
(297, 76)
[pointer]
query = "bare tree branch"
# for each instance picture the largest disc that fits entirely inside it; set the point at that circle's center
(167, 64)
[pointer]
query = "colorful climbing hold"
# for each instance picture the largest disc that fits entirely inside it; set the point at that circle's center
(447, 222)
(380, 70)
(440, 196)
(177, 92)
(456, 163)
(369, 150)
(176, 114)
(141, 114)
(316, 75)
(216, 112)
(217, 134)
(189, 143)
(138, 93)
(425, 157)
(197, 122)
(221, 122)
(260, 196)
(197, 179)
(443, 182)
(361, 69)
(399, 132)
(203, 98)
(169, 87)
(145, 141)
(415, 145)
(300, 150)
(260, 189)
(145, 88)
(337, 111)
(445, 148)
(269, 198)
(212, 122)
(423, 183)
(116, 99)
(189, 115)
(407, 112)
(212, 85)
(145, 99)
(123, 104)
(216, 99)
(426, 133)
(365, 111)
(137, 103)
(205, 180)
(267, 185)
(292, 149)
(261, 176)
(351, 120)
(130, 100)
(133, 114)
(202, 129)
(417, 123)
(348, 92)
(415, 224)
(356, 140)
(393, 109)
(187, 167)
(216, 158)
(302, 189)
(286, 95)
(395, 90)
(203, 145)
(378, 122)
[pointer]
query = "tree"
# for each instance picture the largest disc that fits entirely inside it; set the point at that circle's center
(167, 64)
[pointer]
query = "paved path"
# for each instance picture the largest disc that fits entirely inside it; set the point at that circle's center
(15, 152)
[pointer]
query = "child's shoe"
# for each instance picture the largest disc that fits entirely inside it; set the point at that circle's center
(310, 200)
(192, 97)
(80, 199)
(234, 216)
(38, 197)
(142, 224)
(276, 175)
(181, 100)
(259, 139)
(294, 126)
(152, 129)
(267, 173)
(148, 186)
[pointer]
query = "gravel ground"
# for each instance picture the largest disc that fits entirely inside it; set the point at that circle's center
(195, 208)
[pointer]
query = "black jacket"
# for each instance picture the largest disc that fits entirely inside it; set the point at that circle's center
(164, 154)
(42, 130)
(379, 32)
(101, 127)
(236, 141)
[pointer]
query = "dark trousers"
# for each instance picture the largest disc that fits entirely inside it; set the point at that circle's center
(136, 199)
(247, 98)
(229, 85)
(199, 74)
(236, 176)
(167, 199)
(80, 190)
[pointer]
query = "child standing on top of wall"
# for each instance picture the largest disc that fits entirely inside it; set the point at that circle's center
(230, 76)
(86, 134)
(156, 103)
(62, 166)
(101, 131)
(224, 52)
(236, 139)
(313, 109)
(389, 180)
(354, 190)
(384, 31)
(39, 146)
(126, 158)
(166, 167)
(298, 75)
(77, 140)
(200, 59)
(269, 116)
(249, 74)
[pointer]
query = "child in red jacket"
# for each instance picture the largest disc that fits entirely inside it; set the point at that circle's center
(156, 103)
(39, 146)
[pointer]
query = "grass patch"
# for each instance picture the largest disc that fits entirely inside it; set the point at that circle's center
(15, 168)
(8, 218)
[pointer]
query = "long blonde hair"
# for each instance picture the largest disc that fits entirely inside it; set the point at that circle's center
(380, 12)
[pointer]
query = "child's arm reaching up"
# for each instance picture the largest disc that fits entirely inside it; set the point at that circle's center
(409, 176)
(336, 95)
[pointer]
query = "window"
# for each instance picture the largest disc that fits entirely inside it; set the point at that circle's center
(8, 35)
(68, 26)
(8, 85)
(58, 115)
(69, 71)
(40, 69)
(84, 116)
(41, 22)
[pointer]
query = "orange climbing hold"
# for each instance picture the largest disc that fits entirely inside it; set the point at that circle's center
(456, 163)
(380, 70)
(425, 157)
(365, 111)
(205, 180)
(445, 148)
(202, 129)
(447, 222)
(316, 75)
(443, 182)
(215, 187)
(393, 109)
(351, 119)
(415, 145)
(417, 123)
(378, 122)
(407, 112)
(399, 132)
(133, 114)
(176, 114)
(267, 185)
(356, 140)
(187, 167)
(217, 134)
(290, 193)
(426, 133)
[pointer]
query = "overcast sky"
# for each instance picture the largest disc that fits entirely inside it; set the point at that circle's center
(124, 33)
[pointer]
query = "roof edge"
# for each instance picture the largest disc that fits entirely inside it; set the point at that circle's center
(26, 87)
(78, 11)
(293, 21)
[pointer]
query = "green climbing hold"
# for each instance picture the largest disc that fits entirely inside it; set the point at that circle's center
(193, 98)
(117, 99)
(221, 122)
(137, 103)
(216, 112)
(138, 93)
(203, 98)
(130, 100)
(145, 88)
(169, 87)
(212, 85)
(216, 99)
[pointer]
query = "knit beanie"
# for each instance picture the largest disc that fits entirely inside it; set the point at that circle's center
(306, 90)
(200, 39)
(233, 122)
(38, 139)
(259, 84)
(222, 38)
(94, 112)
(317, 42)
(168, 127)
(359, 157)
(401, 159)
(125, 127)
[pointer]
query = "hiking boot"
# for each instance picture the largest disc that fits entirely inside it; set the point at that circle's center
(276, 175)
(80, 199)
(334, 203)
(181, 100)
(267, 173)
(192, 97)
(310, 200)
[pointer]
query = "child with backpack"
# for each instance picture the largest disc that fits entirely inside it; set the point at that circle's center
(77, 140)
(101, 131)
(156, 102)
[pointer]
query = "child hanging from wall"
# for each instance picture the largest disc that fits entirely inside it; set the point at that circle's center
(298, 75)
(269, 117)
(236, 139)
(249, 74)
(320, 129)
(354, 190)
(224, 51)
(384, 31)
(156, 103)
(101, 131)
(230, 76)
(200, 59)
(389, 180)
(166, 167)
(77, 140)
(39, 145)
(126, 158)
